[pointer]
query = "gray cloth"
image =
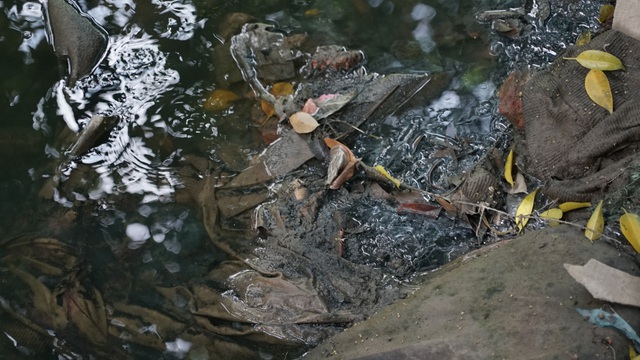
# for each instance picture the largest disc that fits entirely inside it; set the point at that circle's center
(579, 150)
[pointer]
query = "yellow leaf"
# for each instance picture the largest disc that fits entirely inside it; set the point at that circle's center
(595, 225)
(524, 210)
(630, 226)
(598, 60)
(384, 172)
(606, 11)
(508, 168)
(570, 205)
(584, 38)
(632, 354)
(598, 89)
(303, 123)
(220, 99)
(552, 214)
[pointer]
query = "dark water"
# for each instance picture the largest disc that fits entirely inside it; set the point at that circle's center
(161, 66)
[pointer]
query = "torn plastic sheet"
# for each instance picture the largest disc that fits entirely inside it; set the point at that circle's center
(604, 319)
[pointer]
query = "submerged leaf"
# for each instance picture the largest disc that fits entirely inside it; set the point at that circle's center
(598, 89)
(524, 210)
(303, 123)
(595, 226)
(220, 99)
(598, 60)
(630, 226)
(386, 174)
(584, 38)
(278, 90)
(571, 205)
(419, 209)
(606, 12)
(508, 168)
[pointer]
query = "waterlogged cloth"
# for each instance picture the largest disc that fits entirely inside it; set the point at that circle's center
(576, 147)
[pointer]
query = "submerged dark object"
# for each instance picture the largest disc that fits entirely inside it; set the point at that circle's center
(78, 41)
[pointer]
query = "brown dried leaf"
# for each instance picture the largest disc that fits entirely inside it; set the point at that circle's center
(303, 123)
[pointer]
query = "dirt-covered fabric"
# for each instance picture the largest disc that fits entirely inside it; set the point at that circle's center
(576, 147)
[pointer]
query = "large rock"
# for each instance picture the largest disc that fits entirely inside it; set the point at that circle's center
(510, 300)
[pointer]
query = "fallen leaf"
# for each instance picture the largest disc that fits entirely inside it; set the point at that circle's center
(571, 205)
(508, 168)
(338, 160)
(278, 90)
(595, 226)
(386, 174)
(598, 60)
(519, 185)
(419, 209)
(630, 226)
(552, 214)
(584, 38)
(606, 11)
(328, 104)
(310, 107)
(345, 175)
(598, 89)
(219, 100)
(333, 143)
(303, 123)
(524, 210)
(606, 283)
(348, 170)
(632, 354)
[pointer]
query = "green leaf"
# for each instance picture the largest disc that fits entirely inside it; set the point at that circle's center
(598, 60)
(598, 89)
(595, 226)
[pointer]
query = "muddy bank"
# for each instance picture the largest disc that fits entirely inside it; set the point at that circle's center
(506, 301)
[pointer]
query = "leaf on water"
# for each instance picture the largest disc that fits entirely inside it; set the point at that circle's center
(552, 214)
(584, 38)
(219, 100)
(303, 123)
(598, 60)
(508, 168)
(386, 174)
(571, 205)
(598, 89)
(595, 225)
(630, 226)
(524, 210)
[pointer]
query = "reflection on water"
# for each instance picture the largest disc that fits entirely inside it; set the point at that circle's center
(158, 71)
